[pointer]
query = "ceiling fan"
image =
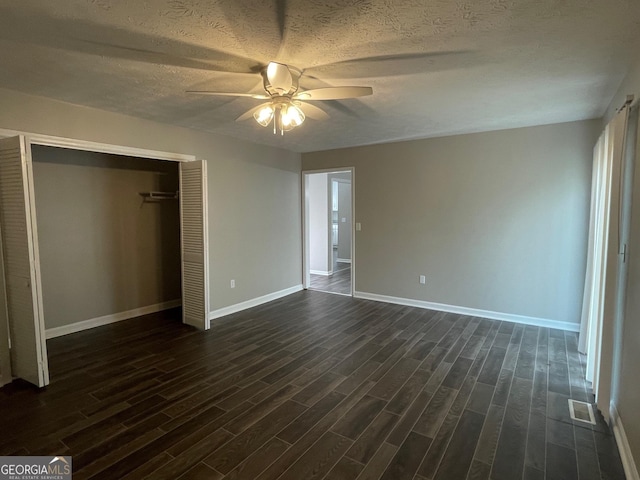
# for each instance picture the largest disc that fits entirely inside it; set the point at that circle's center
(286, 105)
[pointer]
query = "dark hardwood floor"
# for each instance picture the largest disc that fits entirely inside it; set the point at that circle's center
(313, 386)
(338, 282)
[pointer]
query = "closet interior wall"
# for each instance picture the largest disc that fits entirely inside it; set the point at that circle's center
(104, 250)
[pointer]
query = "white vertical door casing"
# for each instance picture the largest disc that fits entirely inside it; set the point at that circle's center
(22, 263)
(194, 243)
(306, 255)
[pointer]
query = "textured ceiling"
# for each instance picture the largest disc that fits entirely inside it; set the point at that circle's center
(437, 67)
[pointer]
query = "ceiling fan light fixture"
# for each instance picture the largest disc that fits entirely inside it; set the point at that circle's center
(292, 116)
(284, 106)
(285, 116)
(264, 115)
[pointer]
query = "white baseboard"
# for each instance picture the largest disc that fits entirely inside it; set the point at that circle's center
(343, 260)
(112, 318)
(324, 273)
(508, 317)
(628, 462)
(254, 302)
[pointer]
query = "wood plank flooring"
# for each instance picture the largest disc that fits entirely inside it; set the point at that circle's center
(338, 282)
(313, 386)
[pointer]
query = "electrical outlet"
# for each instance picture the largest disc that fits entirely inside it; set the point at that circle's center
(233, 284)
(423, 280)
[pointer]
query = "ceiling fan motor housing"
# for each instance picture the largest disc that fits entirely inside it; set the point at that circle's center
(280, 80)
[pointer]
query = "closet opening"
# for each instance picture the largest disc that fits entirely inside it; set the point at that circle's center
(119, 232)
(109, 237)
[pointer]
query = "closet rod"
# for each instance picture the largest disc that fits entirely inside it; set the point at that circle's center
(160, 195)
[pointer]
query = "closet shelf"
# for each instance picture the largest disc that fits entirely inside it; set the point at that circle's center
(153, 196)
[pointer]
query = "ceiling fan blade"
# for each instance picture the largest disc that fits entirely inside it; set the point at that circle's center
(312, 111)
(118, 42)
(279, 77)
(228, 94)
(333, 93)
(395, 64)
(249, 113)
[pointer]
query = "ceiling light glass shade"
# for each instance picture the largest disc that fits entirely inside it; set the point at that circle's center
(285, 116)
(292, 117)
(264, 115)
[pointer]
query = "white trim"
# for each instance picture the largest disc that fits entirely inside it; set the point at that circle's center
(112, 318)
(74, 144)
(353, 231)
(306, 257)
(254, 302)
(343, 260)
(629, 464)
(507, 317)
(324, 273)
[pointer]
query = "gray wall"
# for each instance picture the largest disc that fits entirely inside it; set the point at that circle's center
(318, 215)
(102, 250)
(254, 191)
(628, 395)
(496, 221)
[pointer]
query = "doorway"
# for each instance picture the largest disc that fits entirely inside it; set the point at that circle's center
(328, 231)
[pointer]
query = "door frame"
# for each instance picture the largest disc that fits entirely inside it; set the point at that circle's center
(89, 146)
(306, 275)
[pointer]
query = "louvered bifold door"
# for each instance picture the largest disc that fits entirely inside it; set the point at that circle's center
(22, 263)
(194, 241)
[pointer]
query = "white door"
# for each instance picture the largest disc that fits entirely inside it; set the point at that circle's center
(22, 263)
(194, 241)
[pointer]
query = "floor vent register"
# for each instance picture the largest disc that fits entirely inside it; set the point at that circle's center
(582, 411)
